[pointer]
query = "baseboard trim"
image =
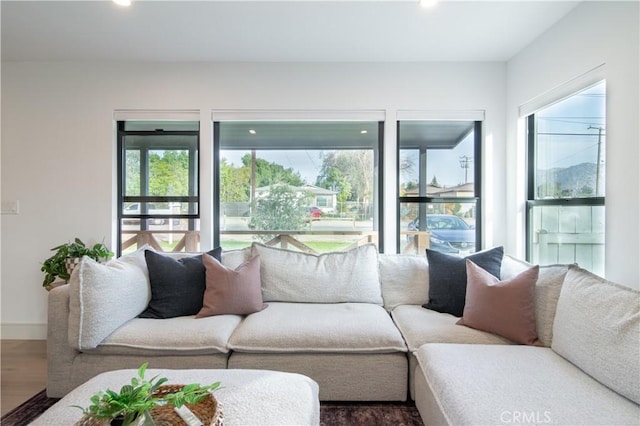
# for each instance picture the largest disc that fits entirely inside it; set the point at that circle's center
(23, 331)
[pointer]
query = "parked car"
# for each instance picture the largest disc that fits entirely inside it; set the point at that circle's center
(315, 213)
(448, 233)
(135, 209)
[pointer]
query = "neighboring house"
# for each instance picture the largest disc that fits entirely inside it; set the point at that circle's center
(414, 192)
(325, 199)
(464, 190)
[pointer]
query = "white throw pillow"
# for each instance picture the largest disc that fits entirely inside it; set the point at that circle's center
(102, 297)
(289, 276)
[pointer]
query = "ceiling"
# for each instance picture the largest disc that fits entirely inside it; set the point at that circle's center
(433, 134)
(267, 31)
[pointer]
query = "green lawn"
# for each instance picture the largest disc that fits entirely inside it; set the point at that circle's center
(328, 246)
(318, 246)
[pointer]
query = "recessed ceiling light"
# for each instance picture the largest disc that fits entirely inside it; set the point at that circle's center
(363, 132)
(428, 3)
(124, 3)
(253, 132)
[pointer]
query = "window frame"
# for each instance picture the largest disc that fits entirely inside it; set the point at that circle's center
(378, 156)
(531, 201)
(122, 199)
(477, 185)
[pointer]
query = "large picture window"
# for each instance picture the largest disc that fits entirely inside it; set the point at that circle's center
(312, 186)
(439, 186)
(158, 185)
(566, 181)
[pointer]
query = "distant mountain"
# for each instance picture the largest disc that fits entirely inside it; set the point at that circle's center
(574, 181)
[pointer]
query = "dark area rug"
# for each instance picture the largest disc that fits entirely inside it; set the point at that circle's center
(331, 413)
(369, 414)
(28, 410)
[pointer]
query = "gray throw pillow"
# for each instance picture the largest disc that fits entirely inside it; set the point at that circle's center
(448, 278)
(177, 285)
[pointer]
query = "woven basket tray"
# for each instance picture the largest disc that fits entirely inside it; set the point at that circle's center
(208, 411)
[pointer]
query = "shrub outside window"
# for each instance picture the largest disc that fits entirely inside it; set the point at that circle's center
(312, 186)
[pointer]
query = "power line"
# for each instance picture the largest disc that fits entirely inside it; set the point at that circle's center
(566, 134)
(465, 163)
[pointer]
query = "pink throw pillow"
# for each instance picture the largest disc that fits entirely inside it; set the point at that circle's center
(231, 292)
(506, 308)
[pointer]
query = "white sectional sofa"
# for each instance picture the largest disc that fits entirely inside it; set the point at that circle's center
(588, 372)
(325, 319)
(354, 322)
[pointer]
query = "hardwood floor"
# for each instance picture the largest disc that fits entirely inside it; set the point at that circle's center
(24, 371)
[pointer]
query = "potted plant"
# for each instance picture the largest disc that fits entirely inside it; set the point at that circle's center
(67, 255)
(134, 402)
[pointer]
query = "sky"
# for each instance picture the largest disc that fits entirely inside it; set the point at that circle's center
(307, 162)
(573, 115)
(579, 118)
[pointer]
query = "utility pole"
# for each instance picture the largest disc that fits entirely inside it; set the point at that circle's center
(599, 158)
(465, 163)
(253, 179)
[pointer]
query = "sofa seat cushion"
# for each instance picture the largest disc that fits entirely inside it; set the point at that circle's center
(179, 335)
(490, 384)
(303, 327)
(419, 326)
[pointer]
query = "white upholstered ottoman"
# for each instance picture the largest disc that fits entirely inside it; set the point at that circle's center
(248, 397)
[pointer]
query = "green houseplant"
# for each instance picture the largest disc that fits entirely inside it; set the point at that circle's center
(58, 265)
(137, 399)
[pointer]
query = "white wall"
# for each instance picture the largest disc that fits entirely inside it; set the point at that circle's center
(592, 34)
(58, 142)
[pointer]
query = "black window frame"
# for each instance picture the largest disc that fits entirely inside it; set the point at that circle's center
(192, 200)
(378, 176)
(532, 201)
(422, 200)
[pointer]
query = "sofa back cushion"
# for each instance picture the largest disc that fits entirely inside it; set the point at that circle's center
(597, 328)
(289, 276)
(234, 258)
(404, 280)
(102, 297)
(548, 287)
(512, 266)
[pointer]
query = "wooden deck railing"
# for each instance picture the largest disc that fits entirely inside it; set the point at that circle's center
(418, 241)
(283, 239)
(190, 240)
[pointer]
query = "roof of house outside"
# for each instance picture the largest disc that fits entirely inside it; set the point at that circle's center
(315, 190)
(463, 190)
